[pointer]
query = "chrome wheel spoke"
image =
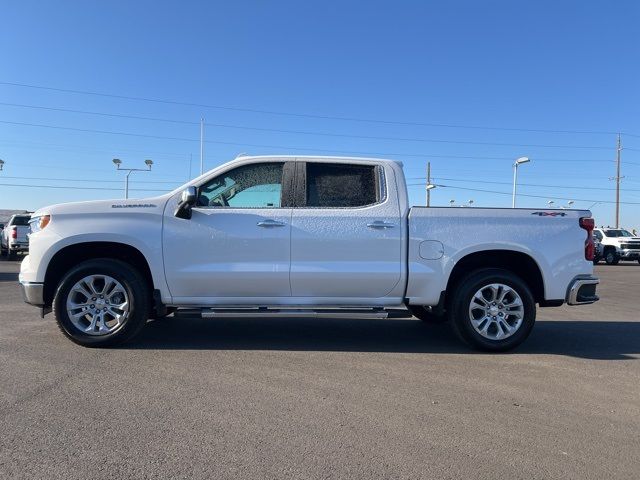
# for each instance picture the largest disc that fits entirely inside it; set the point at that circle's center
(98, 305)
(496, 311)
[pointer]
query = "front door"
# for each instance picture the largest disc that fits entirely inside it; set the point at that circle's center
(236, 246)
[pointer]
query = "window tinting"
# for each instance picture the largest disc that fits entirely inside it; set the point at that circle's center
(337, 185)
(21, 221)
(250, 186)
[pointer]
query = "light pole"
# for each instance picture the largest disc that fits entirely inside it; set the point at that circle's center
(550, 203)
(518, 162)
(117, 162)
(451, 202)
(429, 187)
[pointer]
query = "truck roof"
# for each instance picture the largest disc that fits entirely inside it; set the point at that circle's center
(304, 158)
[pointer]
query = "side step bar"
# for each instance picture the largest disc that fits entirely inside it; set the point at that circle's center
(295, 312)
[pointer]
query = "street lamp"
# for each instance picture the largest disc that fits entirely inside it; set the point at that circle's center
(429, 187)
(1, 164)
(451, 202)
(518, 162)
(117, 162)
(550, 203)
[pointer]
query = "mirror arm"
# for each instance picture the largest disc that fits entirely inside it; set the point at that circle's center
(183, 210)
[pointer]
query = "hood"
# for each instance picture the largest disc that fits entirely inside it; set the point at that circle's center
(105, 206)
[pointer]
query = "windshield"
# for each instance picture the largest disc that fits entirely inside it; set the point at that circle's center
(617, 233)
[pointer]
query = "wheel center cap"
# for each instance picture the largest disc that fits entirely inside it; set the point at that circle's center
(100, 302)
(493, 310)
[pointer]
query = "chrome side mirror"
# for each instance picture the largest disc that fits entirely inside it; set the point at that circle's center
(188, 199)
(189, 196)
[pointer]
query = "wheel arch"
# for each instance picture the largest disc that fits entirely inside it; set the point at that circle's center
(71, 255)
(518, 263)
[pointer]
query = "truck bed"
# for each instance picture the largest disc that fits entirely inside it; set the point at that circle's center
(439, 237)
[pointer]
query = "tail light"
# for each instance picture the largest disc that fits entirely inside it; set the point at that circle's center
(589, 246)
(14, 232)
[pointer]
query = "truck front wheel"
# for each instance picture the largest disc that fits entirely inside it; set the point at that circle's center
(101, 303)
(611, 257)
(492, 310)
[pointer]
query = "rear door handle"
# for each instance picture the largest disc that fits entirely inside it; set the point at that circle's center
(270, 223)
(379, 224)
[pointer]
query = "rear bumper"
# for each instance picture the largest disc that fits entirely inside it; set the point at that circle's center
(19, 247)
(582, 290)
(33, 293)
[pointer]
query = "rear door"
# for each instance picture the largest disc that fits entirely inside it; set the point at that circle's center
(345, 232)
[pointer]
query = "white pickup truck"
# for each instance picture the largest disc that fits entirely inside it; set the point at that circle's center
(617, 244)
(304, 236)
(13, 238)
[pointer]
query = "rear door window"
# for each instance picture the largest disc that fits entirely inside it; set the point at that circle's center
(334, 185)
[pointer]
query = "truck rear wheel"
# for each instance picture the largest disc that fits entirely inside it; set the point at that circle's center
(492, 310)
(101, 303)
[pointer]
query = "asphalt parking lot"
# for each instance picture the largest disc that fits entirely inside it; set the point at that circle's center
(317, 398)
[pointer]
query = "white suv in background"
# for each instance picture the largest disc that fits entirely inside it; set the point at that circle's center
(617, 244)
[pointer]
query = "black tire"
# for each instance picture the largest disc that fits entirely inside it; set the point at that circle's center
(460, 301)
(611, 257)
(135, 286)
(426, 314)
(11, 255)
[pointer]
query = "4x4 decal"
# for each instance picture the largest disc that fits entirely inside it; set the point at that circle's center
(550, 214)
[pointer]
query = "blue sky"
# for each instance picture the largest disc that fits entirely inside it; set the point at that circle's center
(412, 66)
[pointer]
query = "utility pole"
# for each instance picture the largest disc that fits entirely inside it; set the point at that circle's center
(201, 146)
(428, 183)
(618, 178)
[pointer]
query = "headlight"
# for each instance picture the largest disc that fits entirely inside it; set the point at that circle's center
(38, 223)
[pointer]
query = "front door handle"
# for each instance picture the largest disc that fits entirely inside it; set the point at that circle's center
(270, 223)
(379, 224)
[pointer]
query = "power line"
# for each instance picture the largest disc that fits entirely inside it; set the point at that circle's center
(298, 132)
(429, 155)
(88, 180)
(523, 195)
(306, 115)
(86, 130)
(79, 188)
(82, 148)
(580, 187)
(411, 185)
